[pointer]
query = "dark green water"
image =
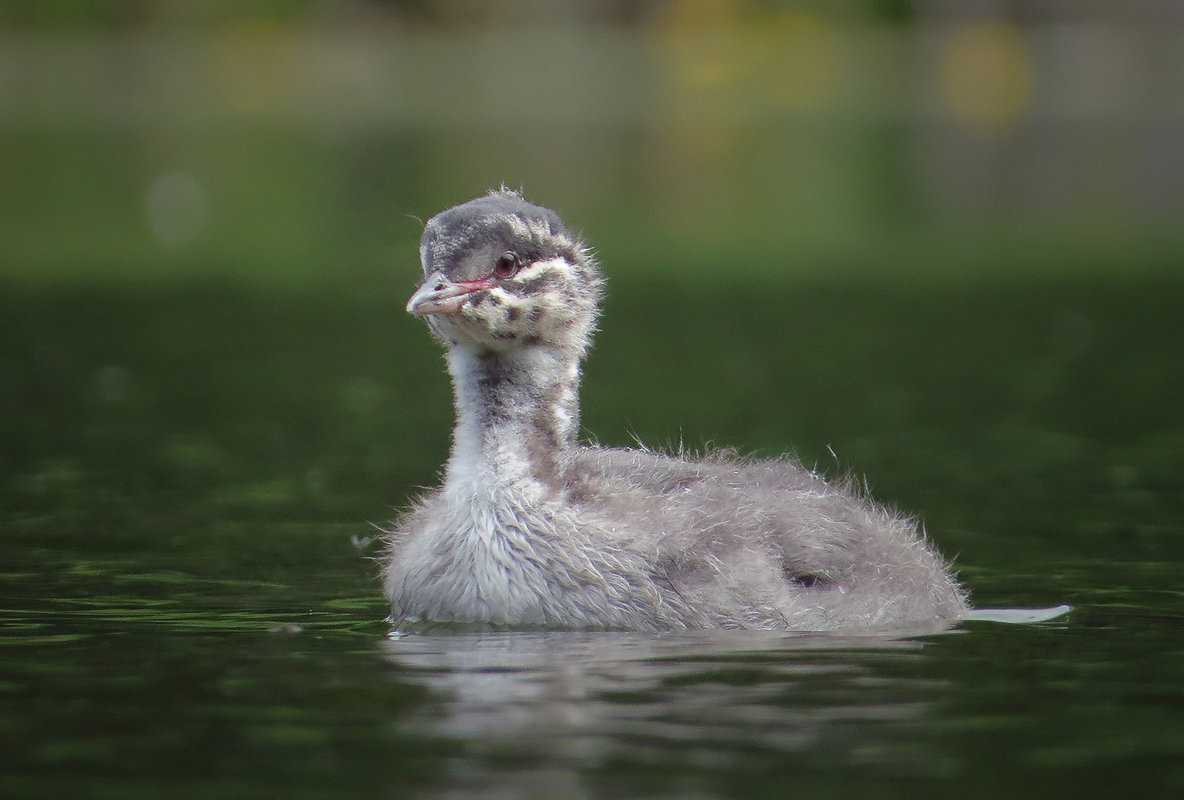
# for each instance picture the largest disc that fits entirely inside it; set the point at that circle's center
(188, 609)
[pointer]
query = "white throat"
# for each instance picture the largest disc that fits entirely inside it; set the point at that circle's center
(517, 416)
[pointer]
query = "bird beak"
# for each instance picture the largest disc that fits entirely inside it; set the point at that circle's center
(440, 295)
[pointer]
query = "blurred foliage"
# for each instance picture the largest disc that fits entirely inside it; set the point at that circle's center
(122, 14)
(302, 141)
(115, 14)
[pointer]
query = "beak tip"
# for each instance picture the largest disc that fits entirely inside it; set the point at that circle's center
(440, 295)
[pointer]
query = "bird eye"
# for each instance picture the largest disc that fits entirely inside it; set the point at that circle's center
(507, 265)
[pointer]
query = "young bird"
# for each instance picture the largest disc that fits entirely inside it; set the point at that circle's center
(531, 528)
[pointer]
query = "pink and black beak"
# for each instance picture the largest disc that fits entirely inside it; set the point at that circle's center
(440, 295)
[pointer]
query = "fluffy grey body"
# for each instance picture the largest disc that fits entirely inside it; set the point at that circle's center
(532, 528)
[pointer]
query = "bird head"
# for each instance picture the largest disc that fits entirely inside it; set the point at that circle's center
(502, 274)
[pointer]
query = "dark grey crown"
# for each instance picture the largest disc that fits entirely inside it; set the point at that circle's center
(489, 221)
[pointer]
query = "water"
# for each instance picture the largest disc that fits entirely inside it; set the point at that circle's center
(189, 608)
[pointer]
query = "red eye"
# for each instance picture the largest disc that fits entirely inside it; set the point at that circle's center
(507, 265)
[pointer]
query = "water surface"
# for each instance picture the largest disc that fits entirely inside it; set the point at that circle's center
(190, 609)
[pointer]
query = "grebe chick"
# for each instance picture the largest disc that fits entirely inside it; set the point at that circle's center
(531, 528)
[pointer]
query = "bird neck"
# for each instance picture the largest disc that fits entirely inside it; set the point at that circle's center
(517, 417)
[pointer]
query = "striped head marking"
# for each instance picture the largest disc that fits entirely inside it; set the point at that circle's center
(501, 273)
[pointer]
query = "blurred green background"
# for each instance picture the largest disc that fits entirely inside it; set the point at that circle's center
(299, 141)
(940, 239)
